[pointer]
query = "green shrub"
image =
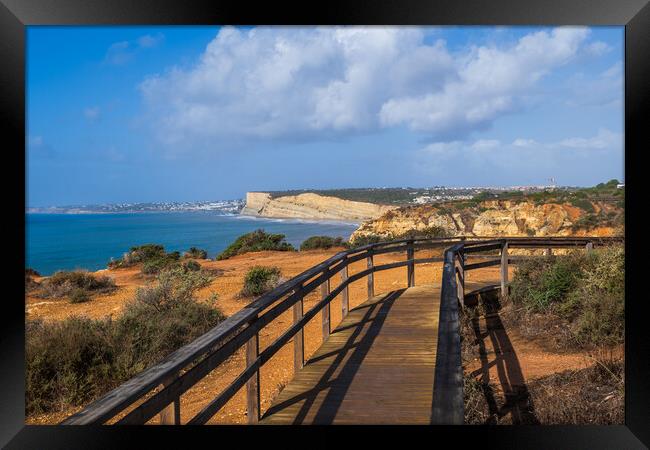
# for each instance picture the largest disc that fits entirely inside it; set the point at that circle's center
(161, 319)
(67, 363)
(191, 265)
(79, 295)
(73, 362)
(587, 292)
(540, 282)
(255, 241)
(147, 253)
(63, 283)
(259, 280)
(155, 265)
(367, 239)
(318, 242)
(197, 253)
(425, 233)
(583, 204)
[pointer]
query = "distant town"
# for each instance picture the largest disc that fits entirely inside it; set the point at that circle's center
(388, 195)
(222, 206)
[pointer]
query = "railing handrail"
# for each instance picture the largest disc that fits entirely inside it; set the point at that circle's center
(222, 341)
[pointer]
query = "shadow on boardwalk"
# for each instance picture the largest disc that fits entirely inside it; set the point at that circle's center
(337, 378)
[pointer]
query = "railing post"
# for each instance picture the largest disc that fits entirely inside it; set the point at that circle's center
(171, 414)
(504, 270)
(253, 383)
(371, 276)
(324, 292)
(589, 247)
(460, 272)
(410, 276)
(345, 298)
(299, 338)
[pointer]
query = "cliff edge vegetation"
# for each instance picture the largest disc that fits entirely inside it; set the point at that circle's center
(591, 211)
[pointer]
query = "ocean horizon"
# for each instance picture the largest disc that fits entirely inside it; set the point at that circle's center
(88, 241)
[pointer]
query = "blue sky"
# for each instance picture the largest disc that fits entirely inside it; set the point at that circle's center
(134, 114)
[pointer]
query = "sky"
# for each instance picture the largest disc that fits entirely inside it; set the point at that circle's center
(145, 114)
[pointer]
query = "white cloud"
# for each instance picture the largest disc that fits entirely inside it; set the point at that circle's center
(523, 142)
(523, 154)
(297, 83)
(118, 53)
(148, 41)
(603, 140)
(606, 89)
(598, 48)
(124, 51)
(490, 82)
(485, 144)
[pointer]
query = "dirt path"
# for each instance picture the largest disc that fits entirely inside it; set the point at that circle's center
(279, 369)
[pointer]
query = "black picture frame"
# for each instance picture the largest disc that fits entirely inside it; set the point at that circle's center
(15, 15)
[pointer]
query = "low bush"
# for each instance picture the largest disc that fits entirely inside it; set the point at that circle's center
(79, 295)
(64, 283)
(583, 204)
(259, 280)
(162, 318)
(153, 257)
(367, 239)
(74, 361)
(67, 363)
(425, 233)
(539, 282)
(321, 242)
(197, 253)
(587, 292)
(155, 265)
(191, 265)
(255, 241)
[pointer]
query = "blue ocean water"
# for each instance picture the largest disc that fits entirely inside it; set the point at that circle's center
(71, 241)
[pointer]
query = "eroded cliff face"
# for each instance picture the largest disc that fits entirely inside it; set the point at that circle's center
(311, 206)
(489, 218)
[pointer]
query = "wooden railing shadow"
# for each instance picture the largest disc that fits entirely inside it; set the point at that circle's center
(518, 402)
(336, 387)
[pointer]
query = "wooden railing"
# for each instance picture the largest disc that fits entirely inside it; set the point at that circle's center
(448, 407)
(157, 390)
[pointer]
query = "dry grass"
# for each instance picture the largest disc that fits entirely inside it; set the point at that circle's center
(591, 395)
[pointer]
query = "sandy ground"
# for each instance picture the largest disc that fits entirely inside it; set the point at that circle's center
(534, 361)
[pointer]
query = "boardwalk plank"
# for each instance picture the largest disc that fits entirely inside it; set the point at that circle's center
(376, 367)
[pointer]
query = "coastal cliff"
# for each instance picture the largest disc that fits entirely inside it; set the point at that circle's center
(498, 218)
(311, 206)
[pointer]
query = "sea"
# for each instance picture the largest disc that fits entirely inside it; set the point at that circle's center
(89, 241)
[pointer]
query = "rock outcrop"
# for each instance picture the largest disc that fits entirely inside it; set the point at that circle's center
(490, 218)
(311, 206)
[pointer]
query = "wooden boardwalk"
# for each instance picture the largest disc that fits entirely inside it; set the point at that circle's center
(377, 366)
